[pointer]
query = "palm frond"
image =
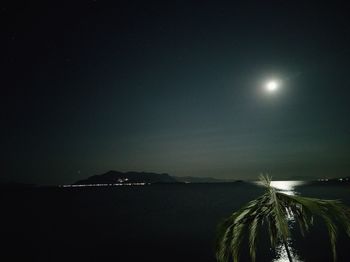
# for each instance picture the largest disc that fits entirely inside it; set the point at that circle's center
(265, 180)
(253, 232)
(232, 231)
(332, 212)
(273, 209)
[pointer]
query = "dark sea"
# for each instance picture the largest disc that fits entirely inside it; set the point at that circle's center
(165, 222)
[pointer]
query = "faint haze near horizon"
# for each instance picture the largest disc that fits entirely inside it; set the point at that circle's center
(174, 88)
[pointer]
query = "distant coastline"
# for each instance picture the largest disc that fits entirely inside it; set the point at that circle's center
(133, 178)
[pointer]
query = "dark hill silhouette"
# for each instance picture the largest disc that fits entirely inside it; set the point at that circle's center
(113, 177)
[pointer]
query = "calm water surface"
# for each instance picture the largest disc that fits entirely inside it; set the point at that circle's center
(146, 223)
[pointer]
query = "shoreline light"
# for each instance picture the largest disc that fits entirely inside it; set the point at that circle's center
(106, 185)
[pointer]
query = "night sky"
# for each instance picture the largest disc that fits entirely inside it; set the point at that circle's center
(174, 87)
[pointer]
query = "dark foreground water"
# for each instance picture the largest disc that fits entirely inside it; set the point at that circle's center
(144, 223)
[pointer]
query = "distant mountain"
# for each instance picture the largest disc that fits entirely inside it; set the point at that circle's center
(190, 179)
(116, 177)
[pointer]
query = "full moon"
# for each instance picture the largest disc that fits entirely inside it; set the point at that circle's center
(271, 86)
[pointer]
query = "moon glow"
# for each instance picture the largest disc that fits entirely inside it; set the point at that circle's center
(272, 86)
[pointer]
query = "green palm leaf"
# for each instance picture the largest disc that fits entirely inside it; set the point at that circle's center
(273, 209)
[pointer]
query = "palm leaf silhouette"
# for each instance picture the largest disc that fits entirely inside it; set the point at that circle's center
(273, 209)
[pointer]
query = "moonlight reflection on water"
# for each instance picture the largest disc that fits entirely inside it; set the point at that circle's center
(287, 187)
